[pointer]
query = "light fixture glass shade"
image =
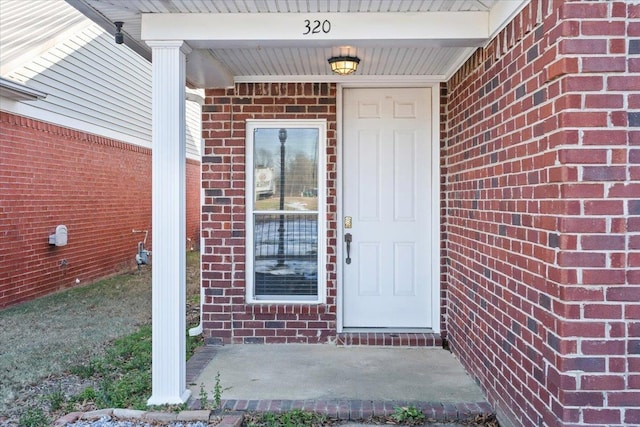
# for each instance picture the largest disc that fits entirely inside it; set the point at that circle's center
(344, 65)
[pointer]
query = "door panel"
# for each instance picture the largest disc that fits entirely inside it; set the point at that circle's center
(387, 172)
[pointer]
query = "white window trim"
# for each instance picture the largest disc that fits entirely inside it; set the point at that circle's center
(321, 125)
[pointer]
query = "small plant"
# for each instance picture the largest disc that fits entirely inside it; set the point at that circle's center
(34, 417)
(56, 400)
(217, 392)
(85, 371)
(292, 418)
(298, 417)
(204, 396)
(193, 343)
(408, 415)
(87, 395)
(270, 419)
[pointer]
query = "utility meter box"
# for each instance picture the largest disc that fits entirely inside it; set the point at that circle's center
(59, 238)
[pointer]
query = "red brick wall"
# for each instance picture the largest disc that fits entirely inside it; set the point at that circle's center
(542, 219)
(226, 316)
(98, 187)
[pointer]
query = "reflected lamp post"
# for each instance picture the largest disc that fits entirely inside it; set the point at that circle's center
(282, 135)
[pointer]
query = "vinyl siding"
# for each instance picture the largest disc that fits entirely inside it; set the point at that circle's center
(92, 84)
(29, 28)
(194, 127)
(91, 79)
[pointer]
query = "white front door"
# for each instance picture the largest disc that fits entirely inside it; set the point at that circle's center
(387, 173)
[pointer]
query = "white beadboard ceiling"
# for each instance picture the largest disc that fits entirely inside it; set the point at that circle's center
(220, 62)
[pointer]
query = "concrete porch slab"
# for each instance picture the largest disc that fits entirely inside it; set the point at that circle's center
(321, 373)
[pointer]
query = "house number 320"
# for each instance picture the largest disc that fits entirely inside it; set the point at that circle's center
(316, 27)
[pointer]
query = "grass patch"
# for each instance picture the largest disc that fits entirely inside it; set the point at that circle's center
(51, 333)
(56, 400)
(99, 333)
(34, 417)
(192, 344)
(124, 373)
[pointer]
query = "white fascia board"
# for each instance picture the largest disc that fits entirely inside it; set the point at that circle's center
(502, 13)
(264, 29)
(94, 14)
(459, 62)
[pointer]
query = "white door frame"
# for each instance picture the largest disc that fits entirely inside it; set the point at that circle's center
(435, 193)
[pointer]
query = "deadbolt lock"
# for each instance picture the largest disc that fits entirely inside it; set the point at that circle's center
(347, 222)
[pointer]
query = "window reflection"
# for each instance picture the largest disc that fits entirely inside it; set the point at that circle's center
(285, 221)
(293, 162)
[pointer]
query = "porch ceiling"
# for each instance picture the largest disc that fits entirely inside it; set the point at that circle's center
(262, 40)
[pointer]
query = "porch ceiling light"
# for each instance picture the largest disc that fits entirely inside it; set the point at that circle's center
(344, 65)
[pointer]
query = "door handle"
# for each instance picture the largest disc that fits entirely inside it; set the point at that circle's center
(347, 239)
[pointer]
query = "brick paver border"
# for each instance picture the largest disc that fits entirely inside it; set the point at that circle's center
(357, 410)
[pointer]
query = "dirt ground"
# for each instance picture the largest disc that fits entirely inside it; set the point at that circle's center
(41, 339)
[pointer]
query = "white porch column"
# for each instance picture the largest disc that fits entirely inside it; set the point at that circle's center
(168, 211)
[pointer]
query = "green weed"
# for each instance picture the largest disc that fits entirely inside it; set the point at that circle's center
(204, 396)
(193, 343)
(408, 415)
(217, 392)
(87, 395)
(34, 417)
(292, 418)
(56, 400)
(124, 373)
(217, 395)
(85, 370)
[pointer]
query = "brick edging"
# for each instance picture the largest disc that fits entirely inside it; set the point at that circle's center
(67, 132)
(344, 410)
(359, 410)
(202, 356)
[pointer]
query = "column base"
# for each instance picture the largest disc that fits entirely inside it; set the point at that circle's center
(169, 400)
